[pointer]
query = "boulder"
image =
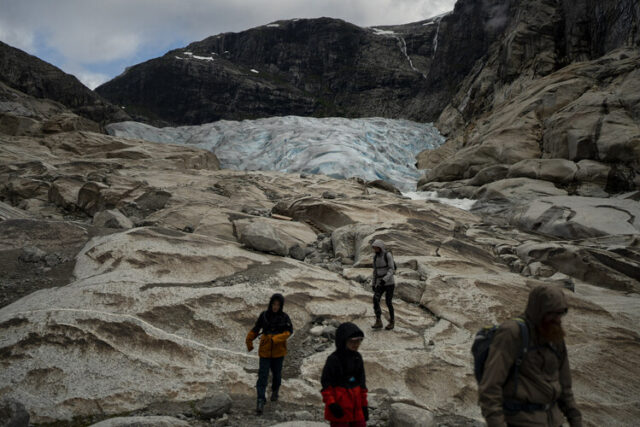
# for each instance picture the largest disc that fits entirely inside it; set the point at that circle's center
(346, 241)
(112, 219)
(403, 415)
(555, 170)
(149, 421)
(68, 122)
(214, 406)
(490, 174)
(13, 414)
(591, 171)
(384, 185)
(64, 192)
(518, 190)
(270, 235)
(578, 217)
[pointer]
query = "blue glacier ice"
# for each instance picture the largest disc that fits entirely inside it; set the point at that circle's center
(370, 148)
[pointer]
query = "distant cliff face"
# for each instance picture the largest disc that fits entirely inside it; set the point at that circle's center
(311, 67)
(40, 79)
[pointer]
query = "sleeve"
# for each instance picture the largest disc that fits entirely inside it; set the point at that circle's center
(502, 353)
(363, 386)
(280, 338)
(373, 272)
(329, 373)
(566, 402)
(259, 324)
(390, 269)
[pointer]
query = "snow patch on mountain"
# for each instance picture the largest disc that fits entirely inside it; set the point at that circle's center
(371, 148)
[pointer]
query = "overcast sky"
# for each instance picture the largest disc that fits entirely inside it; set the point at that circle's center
(96, 39)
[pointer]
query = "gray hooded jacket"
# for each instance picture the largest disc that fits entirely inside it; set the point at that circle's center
(382, 266)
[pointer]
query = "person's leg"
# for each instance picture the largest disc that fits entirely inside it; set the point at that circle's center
(377, 295)
(276, 372)
(389, 300)
(263, 378)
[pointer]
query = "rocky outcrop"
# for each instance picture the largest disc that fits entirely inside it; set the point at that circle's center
(165, 305)
(39, 79)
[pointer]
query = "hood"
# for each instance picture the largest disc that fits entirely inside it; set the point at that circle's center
(379, 244)
(276, 297)
(544, 299)
(344, 332)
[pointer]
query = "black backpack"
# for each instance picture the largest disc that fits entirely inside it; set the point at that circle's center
(482, 343)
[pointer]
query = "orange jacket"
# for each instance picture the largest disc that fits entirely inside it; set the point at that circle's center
(271, 345)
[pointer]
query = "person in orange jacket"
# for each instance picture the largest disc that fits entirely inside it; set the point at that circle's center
(344, 385)
(276, 328)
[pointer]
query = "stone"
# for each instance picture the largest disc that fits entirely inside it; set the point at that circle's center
(329, 195)
(489, 174)
(403, 415)
(575, 217)
(213, 406)
(142, 421)
(279, 237)
(518, 190)
(317, 330)
(590, 171)
(13, 414)
(384, 185)
(112, 219)
(153, 200)
(555, 170)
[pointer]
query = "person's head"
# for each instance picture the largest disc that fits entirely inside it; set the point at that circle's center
(546, 306)
(276, 303)
(377, 246)
(348, 337)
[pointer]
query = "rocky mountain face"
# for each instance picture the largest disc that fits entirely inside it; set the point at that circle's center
(312, 67)
(32, 76)
(552, 113)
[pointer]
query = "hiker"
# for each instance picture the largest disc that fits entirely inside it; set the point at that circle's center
(542, 382)
(344, 388)
(276, 328)
(382, 282)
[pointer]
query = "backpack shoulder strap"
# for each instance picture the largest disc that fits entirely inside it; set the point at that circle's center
(524, 347)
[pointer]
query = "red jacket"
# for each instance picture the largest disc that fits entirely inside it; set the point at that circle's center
(343, 378)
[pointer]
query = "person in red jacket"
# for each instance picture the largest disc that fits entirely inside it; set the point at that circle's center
(344, 388)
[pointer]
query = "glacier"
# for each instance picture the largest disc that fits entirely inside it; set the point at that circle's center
(369, 148)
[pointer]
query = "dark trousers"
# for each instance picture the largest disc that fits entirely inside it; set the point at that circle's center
(377, 295)
(273, 364)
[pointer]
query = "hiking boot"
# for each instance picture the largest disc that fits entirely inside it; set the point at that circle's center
(260, 407)
(390, 325)
(274, 397)
(378, 324)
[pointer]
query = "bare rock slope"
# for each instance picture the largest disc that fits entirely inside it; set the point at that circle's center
(153, 317)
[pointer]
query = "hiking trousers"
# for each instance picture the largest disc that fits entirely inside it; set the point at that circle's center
(377, 296)
(273, 364)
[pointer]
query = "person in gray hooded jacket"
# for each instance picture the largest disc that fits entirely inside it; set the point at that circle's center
(382, 282)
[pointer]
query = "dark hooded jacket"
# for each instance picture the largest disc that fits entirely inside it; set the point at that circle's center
(544, 376)
(343, 378)
(275, 328)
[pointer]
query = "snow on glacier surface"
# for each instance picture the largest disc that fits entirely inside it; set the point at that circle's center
(371, 148)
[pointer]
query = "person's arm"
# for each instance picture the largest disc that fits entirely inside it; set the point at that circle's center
(390, 269)
(502, 354)
(373, 274)
(253, 333)
(567, 402)
(329, 374)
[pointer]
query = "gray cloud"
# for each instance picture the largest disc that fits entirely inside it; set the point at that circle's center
(85, 33)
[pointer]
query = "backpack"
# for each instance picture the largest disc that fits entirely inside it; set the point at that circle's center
(386, 261)
(482, 343)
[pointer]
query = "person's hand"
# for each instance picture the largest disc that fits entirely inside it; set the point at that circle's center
(336, 410)
(382, 282)
(365, 411)
(249, 346)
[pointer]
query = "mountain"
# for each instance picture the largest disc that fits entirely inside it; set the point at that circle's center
(311, 67)
(39, 79)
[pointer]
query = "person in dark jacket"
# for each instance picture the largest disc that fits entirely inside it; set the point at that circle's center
(543, 396)
(344, 388)
(276, 328)
(383, 283)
